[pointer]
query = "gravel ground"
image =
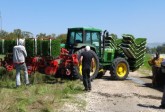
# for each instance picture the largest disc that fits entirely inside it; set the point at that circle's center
(132, 95)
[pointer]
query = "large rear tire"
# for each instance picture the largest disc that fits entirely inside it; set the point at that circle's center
(119, 69)
(78, 69)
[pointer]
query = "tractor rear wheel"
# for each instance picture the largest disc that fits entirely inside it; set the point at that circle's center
(78, 69)
(119, 69)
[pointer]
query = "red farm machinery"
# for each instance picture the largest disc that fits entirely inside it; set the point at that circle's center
(50, 65)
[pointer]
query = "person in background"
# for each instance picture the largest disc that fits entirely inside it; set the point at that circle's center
(156, 64)
(87, 61)
(19, 54)
(163, 100)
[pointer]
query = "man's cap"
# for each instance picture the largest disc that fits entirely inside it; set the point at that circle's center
(21, 41)
(87, 48)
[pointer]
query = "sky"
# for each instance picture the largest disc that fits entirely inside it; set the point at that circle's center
(141, 18)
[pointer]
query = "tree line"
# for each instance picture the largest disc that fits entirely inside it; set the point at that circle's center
(18, 33)
(160, 49)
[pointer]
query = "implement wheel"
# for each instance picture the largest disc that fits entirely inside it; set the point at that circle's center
(119, 69)
(78, 69)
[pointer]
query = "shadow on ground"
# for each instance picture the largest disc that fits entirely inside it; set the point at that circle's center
(149, 85)
(147, 77)
(148, 106)
(107, 78)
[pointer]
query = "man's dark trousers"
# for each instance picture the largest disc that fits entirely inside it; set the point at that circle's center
(86, 79)
(163, 98)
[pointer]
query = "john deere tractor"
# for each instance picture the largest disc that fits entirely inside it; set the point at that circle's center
(110, 53)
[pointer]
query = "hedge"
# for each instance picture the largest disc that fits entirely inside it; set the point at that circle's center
(30, 47)
(39, 47)
(8, 46)
(34, 48)
(45, 48)
(55, 48)
(1, 47)
(50, 50)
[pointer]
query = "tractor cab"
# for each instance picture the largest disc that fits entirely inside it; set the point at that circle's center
(78, 38)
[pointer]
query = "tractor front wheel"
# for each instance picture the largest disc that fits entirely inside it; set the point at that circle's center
(119, 69)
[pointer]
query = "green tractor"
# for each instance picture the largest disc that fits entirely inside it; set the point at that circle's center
(110, 53)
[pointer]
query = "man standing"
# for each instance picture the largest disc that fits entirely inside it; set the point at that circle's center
(19, 54)
(86, 60)
(156, 64)
(163, 100)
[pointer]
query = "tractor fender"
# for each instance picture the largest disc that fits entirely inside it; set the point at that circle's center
(83, 47)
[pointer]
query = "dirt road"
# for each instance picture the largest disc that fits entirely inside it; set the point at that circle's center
(132, 95)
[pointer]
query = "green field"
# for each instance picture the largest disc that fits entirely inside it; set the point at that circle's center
(44, 95)
(146, 59)
(2, 56)
(146, 69)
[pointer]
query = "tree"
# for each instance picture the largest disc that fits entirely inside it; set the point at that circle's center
(3, 34)
(41, 35)
(12, 36)
(148, 50)
(26, 34)
(114, 36)
(153, 50)
(62, 38)
(18, 33)
(53, 35)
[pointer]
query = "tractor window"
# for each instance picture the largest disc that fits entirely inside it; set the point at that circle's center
(72, 37)
(88, 37)
(95, 38)
(77, 36)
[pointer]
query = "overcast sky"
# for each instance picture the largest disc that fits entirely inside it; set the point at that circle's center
(141, 18)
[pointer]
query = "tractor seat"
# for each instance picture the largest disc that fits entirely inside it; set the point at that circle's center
(78, 41)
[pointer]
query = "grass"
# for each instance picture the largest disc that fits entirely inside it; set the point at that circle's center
(41, 96)
(146, 59)
(146, 69)
(46, 94)
(2, 56)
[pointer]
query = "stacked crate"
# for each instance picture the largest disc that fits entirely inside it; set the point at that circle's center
(113, 42)
(134, 49)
